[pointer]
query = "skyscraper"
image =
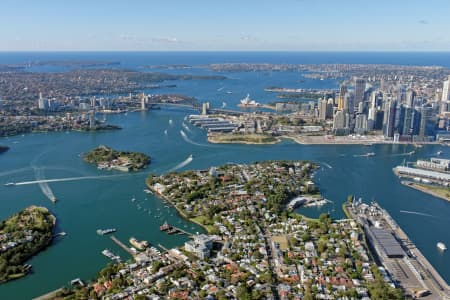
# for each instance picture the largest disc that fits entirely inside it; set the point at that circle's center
(342, 94)
(360, 87)
(361, 123)
(389, 119)
(445, 95)
(42, 103)
(426, 123)
(143, 101)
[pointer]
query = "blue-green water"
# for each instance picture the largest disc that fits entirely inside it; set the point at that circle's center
(86, 205)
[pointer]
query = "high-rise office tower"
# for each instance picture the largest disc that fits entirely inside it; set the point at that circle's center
(445, 96)
(426, 123)
(143, 101)
(389, 119)
(342, 94)
(349, 103)
(360, 87)
(361, 123)
(322, 105)
(42, 103)
(410, 98)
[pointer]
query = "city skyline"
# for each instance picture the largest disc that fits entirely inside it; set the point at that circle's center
(296, 25)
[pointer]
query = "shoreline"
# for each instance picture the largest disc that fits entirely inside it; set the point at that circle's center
(423, 189)
(181, 213)
(213, 141)
(321, 140)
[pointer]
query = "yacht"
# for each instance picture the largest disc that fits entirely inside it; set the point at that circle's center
(441, 246)
(105, 231)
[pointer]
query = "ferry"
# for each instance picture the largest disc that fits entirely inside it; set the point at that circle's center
(105, 231)
(441, 246)
(10, 184)
(140, 245)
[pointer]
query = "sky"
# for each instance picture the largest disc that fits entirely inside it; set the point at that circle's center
(222, 25)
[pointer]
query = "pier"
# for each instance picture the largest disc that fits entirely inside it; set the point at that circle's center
(162, 247)
(173, 229)
(123, 246)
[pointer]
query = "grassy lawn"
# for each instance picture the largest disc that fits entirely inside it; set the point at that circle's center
(201, 221)
(282, 241)
(442, 191)
(244, 138)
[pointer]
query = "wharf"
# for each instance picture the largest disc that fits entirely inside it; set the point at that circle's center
(162, 247)
(123, 246)
(173, 229)
(413, 272)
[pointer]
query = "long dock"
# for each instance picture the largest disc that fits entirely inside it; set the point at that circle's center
(173, 229)
(123, 246)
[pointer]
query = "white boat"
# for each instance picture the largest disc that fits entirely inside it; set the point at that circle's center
(441, 246)
(105, 231)
(439, 153)
(165, 132)
(10, 184)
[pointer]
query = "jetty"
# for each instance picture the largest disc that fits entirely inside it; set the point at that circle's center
(169, 229)
(123, 246)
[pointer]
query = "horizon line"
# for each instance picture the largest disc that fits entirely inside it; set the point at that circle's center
(221, 51)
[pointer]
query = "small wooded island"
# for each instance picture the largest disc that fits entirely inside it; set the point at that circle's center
(110, 159)
(22, 236)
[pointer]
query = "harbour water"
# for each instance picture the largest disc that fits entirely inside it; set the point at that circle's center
(86, 204)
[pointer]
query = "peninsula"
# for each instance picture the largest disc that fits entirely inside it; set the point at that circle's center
(255, 249)
(22, 236)
(108, 158)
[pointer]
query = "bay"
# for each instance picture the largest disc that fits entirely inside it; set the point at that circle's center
(88, 204)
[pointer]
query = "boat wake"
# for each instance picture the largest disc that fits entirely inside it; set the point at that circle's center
(45, 188)
(325, 164)
(404, 154)
(182, 164)
(10, 172)
(187, 139)
(186, 127)
(68, 179)
(416, 213)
